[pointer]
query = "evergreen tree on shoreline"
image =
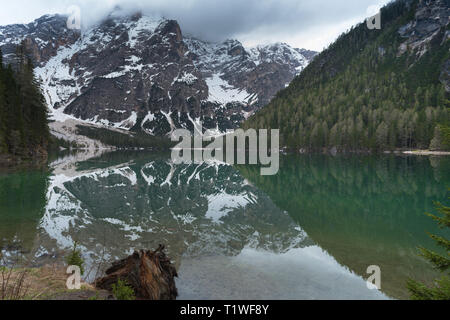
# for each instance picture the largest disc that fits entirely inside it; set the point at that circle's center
(24, 128)
(441, 288)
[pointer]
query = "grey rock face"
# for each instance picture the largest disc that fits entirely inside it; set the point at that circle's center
(261, 71)
(431, 19)
(43, 38)
(429, 28)
(140, 73)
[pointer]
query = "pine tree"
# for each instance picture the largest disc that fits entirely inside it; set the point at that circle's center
(32, 100)
(441, 288)
(445, 136)
(24, 128)
(3, 146)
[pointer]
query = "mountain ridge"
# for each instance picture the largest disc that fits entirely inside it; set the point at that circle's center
(140, 73)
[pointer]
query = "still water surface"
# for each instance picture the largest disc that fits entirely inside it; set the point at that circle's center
(308, 233)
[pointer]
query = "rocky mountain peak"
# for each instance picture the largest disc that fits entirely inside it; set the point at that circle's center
(139, 72)
(43, 37)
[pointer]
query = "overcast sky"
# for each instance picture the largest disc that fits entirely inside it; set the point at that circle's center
(310, 24)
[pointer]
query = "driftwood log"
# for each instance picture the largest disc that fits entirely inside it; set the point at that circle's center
(149, 273)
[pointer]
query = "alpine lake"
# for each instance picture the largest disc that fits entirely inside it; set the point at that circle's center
(309, 232)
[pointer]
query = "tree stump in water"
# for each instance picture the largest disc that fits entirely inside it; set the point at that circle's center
(149, 273)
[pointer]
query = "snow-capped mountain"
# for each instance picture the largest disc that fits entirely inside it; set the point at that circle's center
(140, 72)
(234, 73)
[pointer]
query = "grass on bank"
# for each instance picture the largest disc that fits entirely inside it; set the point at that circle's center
(46, 283)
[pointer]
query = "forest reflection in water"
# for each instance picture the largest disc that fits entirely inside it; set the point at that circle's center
(364, 210)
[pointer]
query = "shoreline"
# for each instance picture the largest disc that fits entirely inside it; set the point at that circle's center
(367, 152)
(8, 162)
(427, 153)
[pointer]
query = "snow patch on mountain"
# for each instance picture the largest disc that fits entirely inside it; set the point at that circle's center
(222, 92)
(278, 53)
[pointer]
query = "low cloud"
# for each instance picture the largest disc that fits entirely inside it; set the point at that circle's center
(252, 21)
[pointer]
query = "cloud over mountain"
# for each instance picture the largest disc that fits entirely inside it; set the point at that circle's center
(292, 21)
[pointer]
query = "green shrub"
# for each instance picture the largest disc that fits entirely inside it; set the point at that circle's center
(95, 298)
(75, 259)
(122, 291)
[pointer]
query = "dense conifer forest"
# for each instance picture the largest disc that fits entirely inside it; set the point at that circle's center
(24, 131)
(361, 94)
